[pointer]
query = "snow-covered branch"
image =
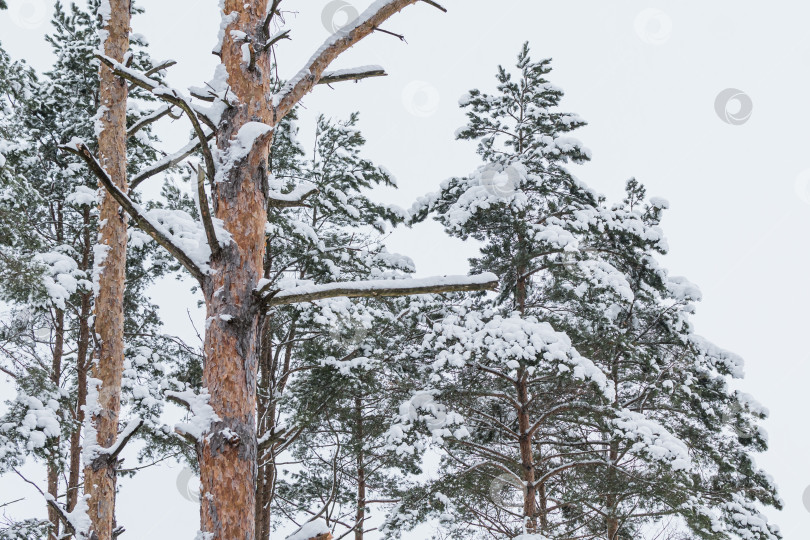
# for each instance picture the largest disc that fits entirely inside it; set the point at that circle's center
(171, 96)
(313, 71)
(353, 74)
(167, 162)
(154, 116)
(378, 288)
(160, 235)
(276, 199)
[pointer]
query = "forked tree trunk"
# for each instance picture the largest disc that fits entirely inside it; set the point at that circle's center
(100, 474)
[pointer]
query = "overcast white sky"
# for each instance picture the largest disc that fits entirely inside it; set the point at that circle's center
(645, 75)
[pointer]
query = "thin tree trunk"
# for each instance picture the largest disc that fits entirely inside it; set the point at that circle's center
(56, 375)
(361, 471)
(100, 474)
(82, 349)
(267, 418)
(526, 457)
(611, 501)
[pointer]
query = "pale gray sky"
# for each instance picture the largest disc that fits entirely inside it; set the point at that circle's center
(645, 76)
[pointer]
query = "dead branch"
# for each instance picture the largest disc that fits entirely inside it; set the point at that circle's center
(348, 75)
(205, 213)
(378, 289)
(308, 77)
(167, 162)
(161, 237)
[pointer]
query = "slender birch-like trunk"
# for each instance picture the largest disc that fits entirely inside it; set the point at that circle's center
(110, 263)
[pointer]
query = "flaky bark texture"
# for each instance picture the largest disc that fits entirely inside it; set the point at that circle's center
(227, 456)
(99, 480)
(228, 466)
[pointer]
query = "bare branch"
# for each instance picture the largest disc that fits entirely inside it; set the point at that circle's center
(436, 5)
(272, 12)
(312, 72)
(154, 116)
(400, 36)
(63, 517)
(380, 288)
(162, 237)
(275, 39)
(167, 162)
(352, 74)
(205, 214)
(171, 96)
(163, 65)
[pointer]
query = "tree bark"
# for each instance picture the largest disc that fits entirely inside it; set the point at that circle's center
(361, 471)
(82, 348)
(100, 474)
(227, 456)
(526, 457)
(56, 375)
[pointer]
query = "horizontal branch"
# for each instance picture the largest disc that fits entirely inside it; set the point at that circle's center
(160, 236)
(295, 198)
(379, 288)
(356, 74)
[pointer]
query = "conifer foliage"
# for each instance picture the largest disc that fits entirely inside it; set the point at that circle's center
(560, 391)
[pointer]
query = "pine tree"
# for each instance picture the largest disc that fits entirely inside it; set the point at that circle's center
(536, 424)
(226, 255)
(642, 338)
(48, 219)
(324, 366)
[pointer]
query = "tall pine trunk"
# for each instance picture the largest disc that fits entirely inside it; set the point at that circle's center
(227, 456)
(100, 473)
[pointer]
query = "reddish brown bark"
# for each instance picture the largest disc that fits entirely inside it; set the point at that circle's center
(527, 458)
(82, 348)
(100, 475)
(228, 454)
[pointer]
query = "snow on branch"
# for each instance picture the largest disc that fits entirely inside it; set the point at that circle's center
(171, 96)
(156, 231)
(378, 288)
(154, 116)
(353, 74)
(297, 87)
(202, 414)
(167, 162)
(296, 197)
